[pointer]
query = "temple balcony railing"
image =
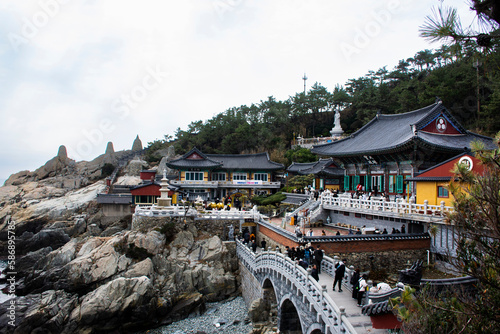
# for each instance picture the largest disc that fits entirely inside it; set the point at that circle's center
(227, 184)
(168, 211)
(380, 206)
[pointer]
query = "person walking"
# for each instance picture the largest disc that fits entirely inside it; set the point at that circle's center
(315, 273)
(362, 285)
(339, 275)
(263, 244)
(318, 257)
(354, 283)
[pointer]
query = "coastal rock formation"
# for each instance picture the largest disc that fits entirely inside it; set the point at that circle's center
(135, 166)
(126, 281)
(79, 272)
(137, 145)
(123, 303)
(55, 165)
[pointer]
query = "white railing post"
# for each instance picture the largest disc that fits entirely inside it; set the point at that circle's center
(426, 205)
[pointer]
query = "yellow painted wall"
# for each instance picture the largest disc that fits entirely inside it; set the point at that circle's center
(428, 190)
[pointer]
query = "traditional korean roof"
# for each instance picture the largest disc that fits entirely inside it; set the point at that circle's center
(194, 159)
(432, 127)
(258, 161)
(296, 199)
(322, 166)
(114, 199)
(197, 159)
(296, 167)
(145, 184)
(443, 172)
(377, 308)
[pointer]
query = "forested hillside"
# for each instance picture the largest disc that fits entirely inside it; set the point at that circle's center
(450, 73)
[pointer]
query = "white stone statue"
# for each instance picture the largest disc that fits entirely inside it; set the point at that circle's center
(337, 128)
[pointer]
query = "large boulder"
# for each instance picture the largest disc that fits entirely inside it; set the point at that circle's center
(55, 238)
(153, 241)
(123, 303)
(26, 264)
(55, 165)
(58, 257)
(19, 178)
(259, 311)
(47, 312)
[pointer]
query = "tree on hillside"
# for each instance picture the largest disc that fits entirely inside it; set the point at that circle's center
(476, 219)
(300, 155)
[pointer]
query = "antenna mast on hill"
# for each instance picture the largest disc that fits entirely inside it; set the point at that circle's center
(304, 78)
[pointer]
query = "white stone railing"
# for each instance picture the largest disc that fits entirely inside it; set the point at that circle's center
(381, 205)
(215, 184)
(168, 211)
(180, 211)
(231, 214)
(313, 294)
(315, 205)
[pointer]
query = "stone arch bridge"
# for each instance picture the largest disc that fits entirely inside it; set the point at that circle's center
(303, 305)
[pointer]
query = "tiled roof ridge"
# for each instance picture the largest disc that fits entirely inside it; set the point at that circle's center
(197, 151)
(237, 155)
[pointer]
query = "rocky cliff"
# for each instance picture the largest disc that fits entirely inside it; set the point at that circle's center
(125, 282)
(77, 274)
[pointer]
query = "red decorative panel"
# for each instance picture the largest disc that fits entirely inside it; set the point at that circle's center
(194, 156)
(445, 169)
(441, 125)
(151, 190)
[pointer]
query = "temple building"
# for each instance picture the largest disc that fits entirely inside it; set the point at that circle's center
(214, 176)
(326, 173)
(391, 148)
(431, 183)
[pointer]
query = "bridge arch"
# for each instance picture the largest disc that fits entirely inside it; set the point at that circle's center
(315, 329)
(303, 305)
(290, 322)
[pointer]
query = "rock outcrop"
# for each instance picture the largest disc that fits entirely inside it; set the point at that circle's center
(137, 145)
(128, 281)
(55, 165)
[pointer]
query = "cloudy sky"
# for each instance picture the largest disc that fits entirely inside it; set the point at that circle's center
(81, 73)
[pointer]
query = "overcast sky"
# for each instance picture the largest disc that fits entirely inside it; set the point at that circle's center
(83, 73)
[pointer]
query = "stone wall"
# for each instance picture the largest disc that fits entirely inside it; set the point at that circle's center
(274, 239)
(250, 287)
(387, 256)
(358, 220)
(389, 262)
(219, 228)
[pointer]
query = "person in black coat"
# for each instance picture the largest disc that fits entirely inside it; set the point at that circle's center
(354, 282)
(254, 246)
(263, 244)
(315, 273)
(318, 257)
(339, 275)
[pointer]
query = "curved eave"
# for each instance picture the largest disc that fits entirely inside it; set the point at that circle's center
(183, 166)
(396, 148)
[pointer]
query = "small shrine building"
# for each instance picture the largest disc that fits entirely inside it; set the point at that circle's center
(215, 176)
(327, 175)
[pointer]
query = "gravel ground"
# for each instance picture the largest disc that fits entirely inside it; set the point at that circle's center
(222, 318)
